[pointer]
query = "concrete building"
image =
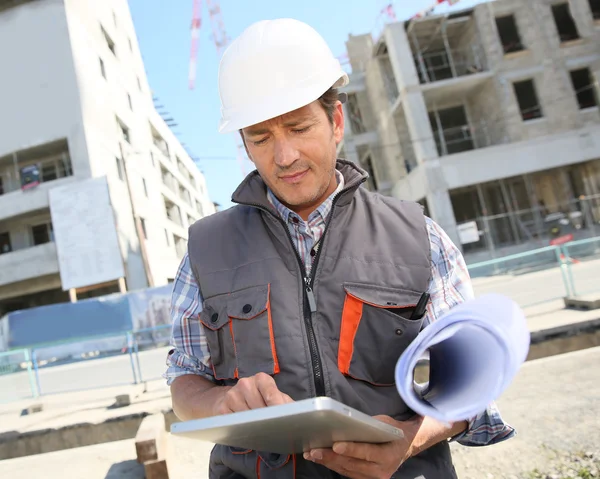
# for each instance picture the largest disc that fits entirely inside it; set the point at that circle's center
(488, 116)
(75, 102)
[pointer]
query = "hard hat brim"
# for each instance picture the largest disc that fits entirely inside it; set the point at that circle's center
(280, 103)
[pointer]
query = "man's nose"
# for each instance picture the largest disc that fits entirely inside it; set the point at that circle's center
(285, 152)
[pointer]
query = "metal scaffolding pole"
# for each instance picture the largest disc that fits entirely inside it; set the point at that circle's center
(447, 47)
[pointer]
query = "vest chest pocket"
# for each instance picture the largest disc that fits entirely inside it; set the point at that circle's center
(239, 333)
(375, 330)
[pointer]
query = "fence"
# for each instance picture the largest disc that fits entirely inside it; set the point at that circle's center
(543, 274)
(520, 230)
(84, 363)
(16, 376)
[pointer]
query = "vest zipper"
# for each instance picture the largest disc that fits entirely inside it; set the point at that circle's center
(309, 297)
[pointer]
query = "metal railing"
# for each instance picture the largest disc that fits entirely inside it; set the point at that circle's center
(79, 364)
(16, 376)
(446, 64)
(541, 275)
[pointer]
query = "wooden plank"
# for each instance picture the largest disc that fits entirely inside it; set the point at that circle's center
(150, 440)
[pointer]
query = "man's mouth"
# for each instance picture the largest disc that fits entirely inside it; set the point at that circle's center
(295, 177)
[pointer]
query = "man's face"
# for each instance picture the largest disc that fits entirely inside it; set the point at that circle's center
(295, 154)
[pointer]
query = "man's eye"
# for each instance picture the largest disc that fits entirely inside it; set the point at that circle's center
(301, 130)
(259, 142)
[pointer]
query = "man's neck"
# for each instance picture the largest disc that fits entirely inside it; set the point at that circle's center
(304, 211)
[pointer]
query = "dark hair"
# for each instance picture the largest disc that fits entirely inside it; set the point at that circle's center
(328, 100)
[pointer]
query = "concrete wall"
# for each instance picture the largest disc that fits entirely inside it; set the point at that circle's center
(103, 101)
(28, 263)
(39, 97)
(514, 159)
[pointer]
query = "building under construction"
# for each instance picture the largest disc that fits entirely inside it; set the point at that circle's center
(76, 111)
(489, 116)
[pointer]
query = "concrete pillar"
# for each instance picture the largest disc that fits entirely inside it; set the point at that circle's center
(438, 201)
(421, 133)
(413, 102)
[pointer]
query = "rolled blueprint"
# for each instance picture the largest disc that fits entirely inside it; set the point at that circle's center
(475, 351)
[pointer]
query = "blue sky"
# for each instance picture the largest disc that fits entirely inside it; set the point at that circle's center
(163, 30)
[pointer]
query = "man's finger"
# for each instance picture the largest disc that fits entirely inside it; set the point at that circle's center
(249, 392)
(364, 452)
(234, 402)
(268, 390)
(346, 466)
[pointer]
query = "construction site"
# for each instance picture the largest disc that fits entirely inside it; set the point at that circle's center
(488, 116)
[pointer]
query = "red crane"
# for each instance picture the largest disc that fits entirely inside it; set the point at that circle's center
(221, 41)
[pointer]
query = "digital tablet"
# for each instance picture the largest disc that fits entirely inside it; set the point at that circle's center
(290, 428)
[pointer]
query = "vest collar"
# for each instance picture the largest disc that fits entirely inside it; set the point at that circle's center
(253, 190)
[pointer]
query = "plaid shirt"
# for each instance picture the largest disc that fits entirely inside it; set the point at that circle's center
(450, 285)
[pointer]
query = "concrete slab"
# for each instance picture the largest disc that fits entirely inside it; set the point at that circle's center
(113, 460)
(584, 303)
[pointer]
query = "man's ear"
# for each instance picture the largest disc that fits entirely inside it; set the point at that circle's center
(245, 147)
(338, 122)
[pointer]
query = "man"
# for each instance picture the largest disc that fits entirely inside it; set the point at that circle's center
(308, 286)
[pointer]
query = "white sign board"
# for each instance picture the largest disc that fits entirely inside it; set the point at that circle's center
(468, 232)
(85, 234)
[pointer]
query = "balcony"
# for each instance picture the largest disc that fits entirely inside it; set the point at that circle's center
(27, 175)
(446, 48)
(28, 263)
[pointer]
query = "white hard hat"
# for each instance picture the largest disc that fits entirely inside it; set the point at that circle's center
(272, 68)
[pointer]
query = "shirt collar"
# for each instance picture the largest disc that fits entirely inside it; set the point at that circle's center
(322, 212)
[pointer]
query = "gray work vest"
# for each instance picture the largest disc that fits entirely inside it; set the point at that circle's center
(336, 333)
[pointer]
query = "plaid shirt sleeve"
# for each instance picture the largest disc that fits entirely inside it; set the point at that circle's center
(451, 285)
(189, 353)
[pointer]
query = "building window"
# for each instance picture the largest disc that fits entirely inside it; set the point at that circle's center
(367, 164)
(120, 168)
(124, 131)
(528, 100)
(509, 34)
(54, 168)
(180, 246)
(139, 84)
(42, 234)
(129, 101)
(191, 220)
(160, 142)
(102, 68)
(5, 246)
(567, 30)
(167, 237)
(199, 208)
(144, 230)
(109, 42)
(172, 211)
(357, 124)
(1, 186)
(145, 187)
(115, 18)
(584, 88)
(595, 7)
(153, 159)
(130, 44)
(451, 130)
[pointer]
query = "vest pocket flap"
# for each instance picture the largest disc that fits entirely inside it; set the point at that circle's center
(214, 313)
(382, 296)
(248, 303)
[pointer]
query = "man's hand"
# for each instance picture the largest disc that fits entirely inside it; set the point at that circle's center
(251, 393)
(373, 461)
